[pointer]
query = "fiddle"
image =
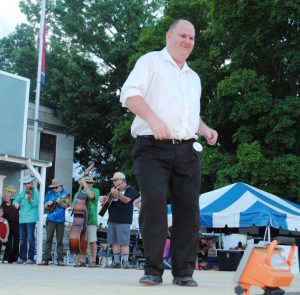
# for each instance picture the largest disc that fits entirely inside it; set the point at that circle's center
(28, 194)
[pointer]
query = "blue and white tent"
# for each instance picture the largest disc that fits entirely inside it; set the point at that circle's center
(242, 205)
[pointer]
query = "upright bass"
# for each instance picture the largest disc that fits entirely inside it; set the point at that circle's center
(78, 232)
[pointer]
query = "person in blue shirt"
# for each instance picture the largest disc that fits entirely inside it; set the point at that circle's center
(57, 200)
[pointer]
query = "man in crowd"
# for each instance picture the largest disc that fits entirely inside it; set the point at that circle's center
(28, 203)
(57, 200)
(93, 195)
(120, 218)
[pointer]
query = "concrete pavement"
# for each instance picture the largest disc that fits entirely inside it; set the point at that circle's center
(68, 280)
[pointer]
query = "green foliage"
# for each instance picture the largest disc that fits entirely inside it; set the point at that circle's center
(246, 53)
(18, 54)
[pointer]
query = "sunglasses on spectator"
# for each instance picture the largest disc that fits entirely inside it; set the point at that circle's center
(56, 187)
(27, 183)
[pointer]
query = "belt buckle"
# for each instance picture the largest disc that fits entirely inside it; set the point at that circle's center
(176, 141)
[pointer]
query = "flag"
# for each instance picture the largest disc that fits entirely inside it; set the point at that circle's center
(43, 68)
(43, 72)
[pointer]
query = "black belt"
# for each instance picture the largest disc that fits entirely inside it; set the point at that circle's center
(171, 140)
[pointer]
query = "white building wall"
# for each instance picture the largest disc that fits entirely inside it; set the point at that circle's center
(64, 159)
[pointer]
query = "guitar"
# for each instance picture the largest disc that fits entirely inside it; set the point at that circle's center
(51, 207)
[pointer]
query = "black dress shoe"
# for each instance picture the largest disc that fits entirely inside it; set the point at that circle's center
(186, 281)
(150, 280)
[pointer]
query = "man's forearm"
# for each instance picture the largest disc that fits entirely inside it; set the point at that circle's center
(138, 106)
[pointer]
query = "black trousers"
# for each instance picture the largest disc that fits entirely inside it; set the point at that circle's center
(7, 250)
(14, 238)
(163, 168)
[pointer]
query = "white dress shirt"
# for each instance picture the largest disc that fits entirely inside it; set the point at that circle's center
(173, 94)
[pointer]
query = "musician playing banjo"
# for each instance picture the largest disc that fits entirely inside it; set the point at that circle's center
(56, 202)
(120, 218)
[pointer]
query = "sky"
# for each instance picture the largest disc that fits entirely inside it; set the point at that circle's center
(10, 16)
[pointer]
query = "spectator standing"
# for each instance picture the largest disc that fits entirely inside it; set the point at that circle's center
(11, 214)
(4, 233)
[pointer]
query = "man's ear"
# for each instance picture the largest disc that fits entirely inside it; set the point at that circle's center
(168, 34)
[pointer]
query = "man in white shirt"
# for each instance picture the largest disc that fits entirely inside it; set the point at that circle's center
(164, 93)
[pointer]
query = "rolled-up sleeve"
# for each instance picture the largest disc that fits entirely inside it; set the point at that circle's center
(137, 81)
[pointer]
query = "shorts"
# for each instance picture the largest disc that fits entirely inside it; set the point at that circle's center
(92, 233)
(118, 234)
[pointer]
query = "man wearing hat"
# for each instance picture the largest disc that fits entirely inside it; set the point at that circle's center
(57, 200)
(120, 218)
(28, 203)
(93, 195)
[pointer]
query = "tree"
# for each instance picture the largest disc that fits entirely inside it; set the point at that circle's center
(89, 44)
(246, 53)
(256, 107)
(18, 54)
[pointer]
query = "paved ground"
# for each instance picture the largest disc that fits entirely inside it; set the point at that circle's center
(54, 280)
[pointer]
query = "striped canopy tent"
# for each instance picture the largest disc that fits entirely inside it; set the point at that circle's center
(242, 205)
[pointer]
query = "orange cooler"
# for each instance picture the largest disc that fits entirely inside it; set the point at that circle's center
(262, 265)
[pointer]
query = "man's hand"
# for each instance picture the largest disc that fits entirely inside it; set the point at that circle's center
(159, 128)
(211, 136)
(103, 200)
(115, 192)
(17, 205)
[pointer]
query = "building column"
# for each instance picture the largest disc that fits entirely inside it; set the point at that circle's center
(2, 177)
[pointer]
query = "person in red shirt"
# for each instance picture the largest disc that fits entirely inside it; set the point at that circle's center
(4, 232)
(11, 214)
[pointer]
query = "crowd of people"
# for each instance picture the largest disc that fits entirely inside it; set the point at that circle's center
(18, 217)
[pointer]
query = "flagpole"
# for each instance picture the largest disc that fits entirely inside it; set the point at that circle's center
(38, 80)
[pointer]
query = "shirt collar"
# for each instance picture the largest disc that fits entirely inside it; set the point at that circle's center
(167, 56)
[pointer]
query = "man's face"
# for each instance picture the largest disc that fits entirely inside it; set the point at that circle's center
(57, 189)
(180, 41)
(118, 183)
(28, 185)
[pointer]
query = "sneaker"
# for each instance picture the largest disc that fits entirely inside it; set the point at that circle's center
(93, 264)
(80, 264)
(126, 265)
(5, 261)
(20, 261)
(113, 265)
(60, 263)
(44, 262)
(30, 261)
